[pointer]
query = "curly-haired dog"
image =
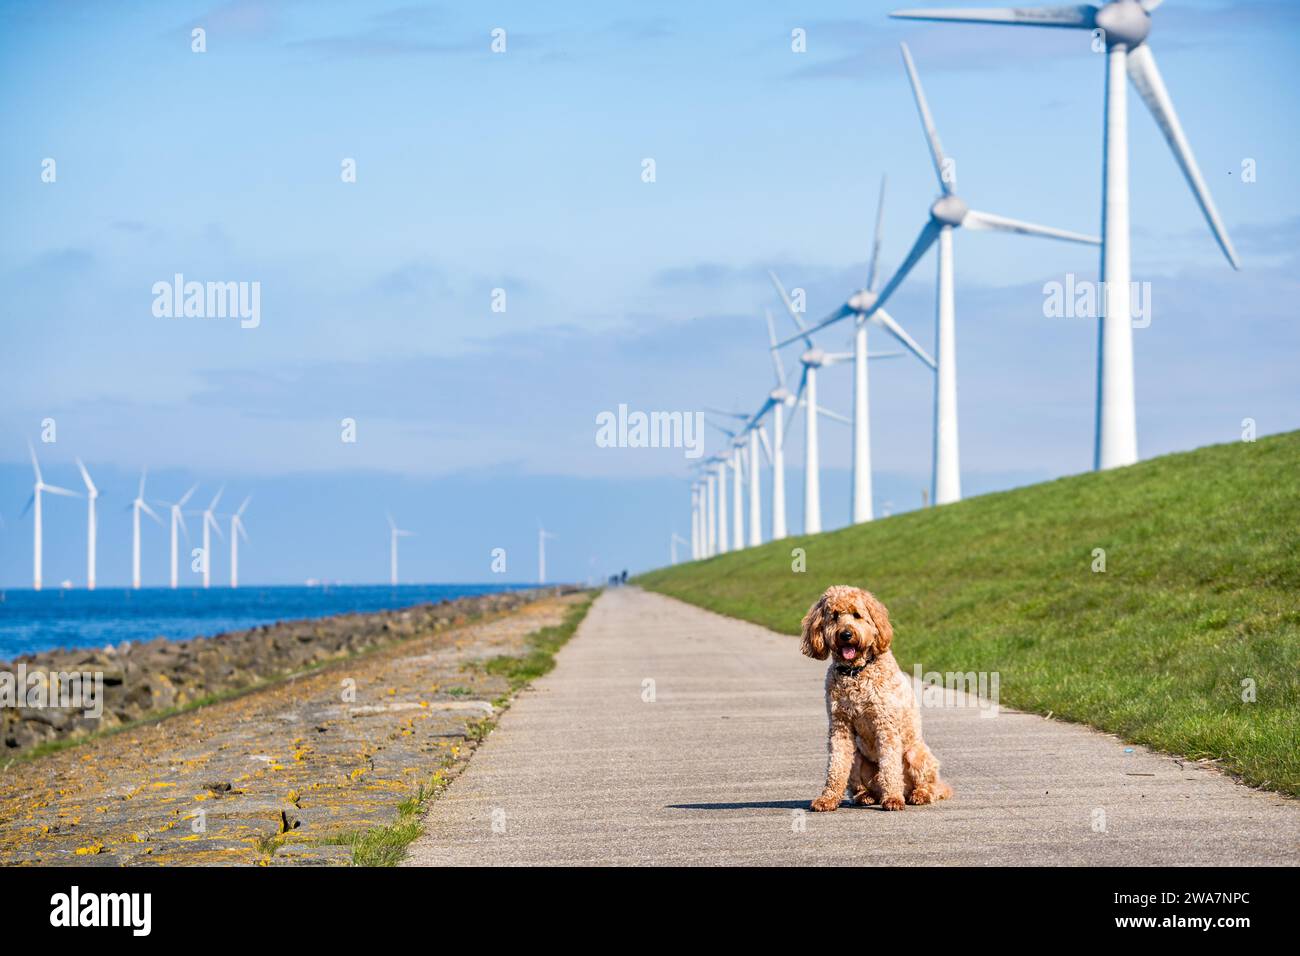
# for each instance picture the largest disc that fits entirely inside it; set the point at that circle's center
(875, 743)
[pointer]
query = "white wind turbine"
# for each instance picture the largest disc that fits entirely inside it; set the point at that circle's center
(394, 533)
(696, 552)
(738, 440)
(813, 359)
(778, 399)
(178, 520)
(34, 502)
(138, 505)
(92, 493)
(542, 535)
(209, 525)
(673, 541)
(236, 532)
(859, 305)
(947, 213)
(1125, 25)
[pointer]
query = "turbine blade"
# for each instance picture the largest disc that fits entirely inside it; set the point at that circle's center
(56, 490)
(144, 506)
(766, 443)
(924, 241)
(789, 307)
(242, 506)
(834, 416)
(1146, 79)
(215, 525)
(927, 123)
(726, 414)
(875, 246)
(897, 353)
(186, 496)
(831, 319)
(898, 332)
(143, 473)
(212, 507)
(242, 533)
(35, 464)
(180, 519)
(1081, 17)
(987, 221)
(85, 476)
(28, 507)
(776, 358)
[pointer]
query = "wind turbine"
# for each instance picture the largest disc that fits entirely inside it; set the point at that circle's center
(1125, 25)
(178, 519)
(138, 505)
(947, 213)
(209, 525)
(394, 533)
(91, 526)
(673, 541)
(542, 535)
(236, 532)
(695, 521)
(776, 402)
(738, 440)
(34, 502)
(813, 359)
(860, 305)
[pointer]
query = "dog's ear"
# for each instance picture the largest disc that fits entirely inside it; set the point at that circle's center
(879, 617)
(812, 642)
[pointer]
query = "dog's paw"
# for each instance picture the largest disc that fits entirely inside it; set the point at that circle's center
(863, 798)
(920, 796)
(891, 803)
(824, 803)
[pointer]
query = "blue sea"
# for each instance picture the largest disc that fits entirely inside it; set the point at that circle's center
(33, 621)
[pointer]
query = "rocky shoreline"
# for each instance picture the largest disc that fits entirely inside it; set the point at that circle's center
(153, 677)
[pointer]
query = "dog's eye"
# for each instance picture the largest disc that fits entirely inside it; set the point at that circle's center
(858, 615)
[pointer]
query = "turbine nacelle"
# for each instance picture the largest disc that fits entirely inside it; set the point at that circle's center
(1124, 22)
(813, 358)
(862, 301)
(949, 210)
(781, 396)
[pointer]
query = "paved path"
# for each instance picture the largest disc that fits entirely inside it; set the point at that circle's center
(720, 766)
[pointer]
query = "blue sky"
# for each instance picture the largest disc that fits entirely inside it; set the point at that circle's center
(522, 171)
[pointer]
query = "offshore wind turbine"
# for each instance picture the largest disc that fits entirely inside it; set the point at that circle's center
(35, 502)
(947, 213)
(236, 532)
(542, 535)
(138, 505)
(1125, 25)
(178, 519)
(209, 525)
(92, 493)
(394, 533)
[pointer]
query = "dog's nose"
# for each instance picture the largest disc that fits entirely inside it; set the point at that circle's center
(846, 635)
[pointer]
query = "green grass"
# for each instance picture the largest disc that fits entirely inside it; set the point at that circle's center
(540, 655)
(1201, 593)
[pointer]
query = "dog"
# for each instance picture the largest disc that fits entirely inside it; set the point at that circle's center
(875, 747)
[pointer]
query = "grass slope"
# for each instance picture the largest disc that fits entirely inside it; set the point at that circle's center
(1201, 593)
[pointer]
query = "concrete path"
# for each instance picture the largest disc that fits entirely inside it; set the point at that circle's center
(720, 766)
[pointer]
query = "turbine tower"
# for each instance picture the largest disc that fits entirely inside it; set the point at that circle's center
(209, 525)
(673, 541)
(947, 213)
(542, 535)
(34, 502)
(138, 505)
(1125, 25)
(178, 520)
(92, 493)
(236, 532)
(394, 533)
